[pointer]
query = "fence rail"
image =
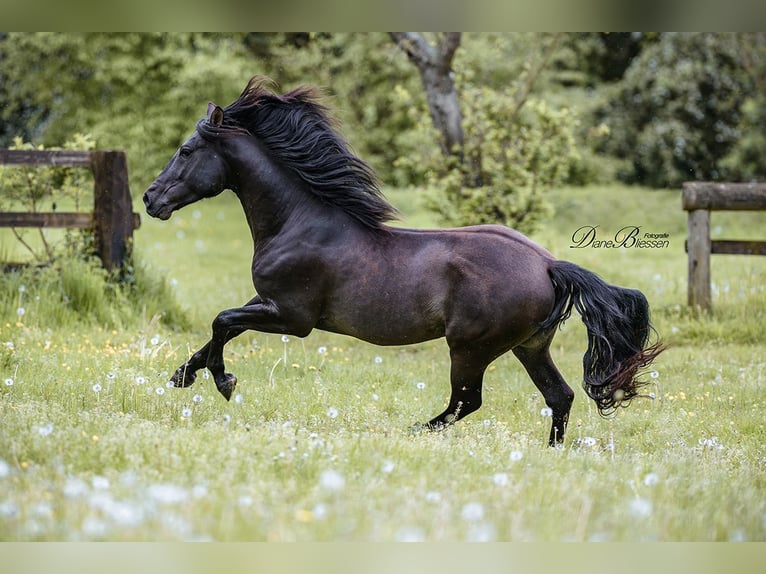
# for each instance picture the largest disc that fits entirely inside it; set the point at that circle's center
(112, 218)
(699, 199)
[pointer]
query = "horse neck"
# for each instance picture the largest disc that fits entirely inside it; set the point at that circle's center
(271, 197)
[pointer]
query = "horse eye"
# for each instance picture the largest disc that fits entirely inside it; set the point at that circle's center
(185, 152)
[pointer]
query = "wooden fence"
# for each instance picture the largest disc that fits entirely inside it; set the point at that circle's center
(699, 199)
(112, 218)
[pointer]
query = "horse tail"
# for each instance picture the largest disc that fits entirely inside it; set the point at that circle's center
(619, 330)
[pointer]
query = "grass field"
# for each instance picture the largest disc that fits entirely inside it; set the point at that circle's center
(315, 444)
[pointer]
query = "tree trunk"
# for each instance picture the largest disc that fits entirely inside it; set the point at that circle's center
(435, 66)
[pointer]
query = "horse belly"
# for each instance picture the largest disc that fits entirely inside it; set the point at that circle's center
(382, 316)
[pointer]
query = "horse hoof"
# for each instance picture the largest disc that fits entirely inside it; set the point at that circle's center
(426, 427)
(226, 387)
(183, 377)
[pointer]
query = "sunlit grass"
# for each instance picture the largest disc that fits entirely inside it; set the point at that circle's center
(315, 443)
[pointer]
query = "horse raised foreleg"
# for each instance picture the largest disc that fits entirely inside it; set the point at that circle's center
(186, 374)
(546, 377)
(257, 315)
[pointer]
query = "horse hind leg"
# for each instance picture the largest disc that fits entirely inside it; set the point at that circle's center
(466, 378)
(547, 378)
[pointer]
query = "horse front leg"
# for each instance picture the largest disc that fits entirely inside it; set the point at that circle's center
(257, 315)
(186, 374)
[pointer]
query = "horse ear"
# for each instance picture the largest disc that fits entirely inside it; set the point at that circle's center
(214, 114)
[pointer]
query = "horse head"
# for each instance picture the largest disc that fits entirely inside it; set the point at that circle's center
(197, 170)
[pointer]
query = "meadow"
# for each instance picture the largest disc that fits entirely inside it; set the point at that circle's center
(315, 445)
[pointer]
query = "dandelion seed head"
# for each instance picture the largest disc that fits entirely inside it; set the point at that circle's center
(500, 479)
(168, 493)
(8, 382)
(433, 496)
(388, 467)
(100, 482)
(516, 455)
(239, 399)
(375, 396)
(9, 345)
(96, 388)
(160, 391)
(75, 488)
(170, 384)
(155, 340)
(410, 534)
(421, 385)
(285, 339)
(654, 374)
(111, 376)
(651, 479)
(319, 511)
(546, 412)
(378, 360)
(332, 412)
(186, 413)
(332, 481)
(20, 311)
(472, 512)
(322, 350)
(197, 399)
(5, 469)
(45, 430)
(226, 418)
(640, 507)
(245, 501)
(482, 532)
(140, 380)
(22, 288)
(8, 509)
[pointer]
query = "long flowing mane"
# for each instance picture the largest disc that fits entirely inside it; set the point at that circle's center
(300, 133)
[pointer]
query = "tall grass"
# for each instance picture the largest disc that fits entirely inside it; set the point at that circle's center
(315, 444)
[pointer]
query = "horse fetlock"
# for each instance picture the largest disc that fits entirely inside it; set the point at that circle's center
(183, 377)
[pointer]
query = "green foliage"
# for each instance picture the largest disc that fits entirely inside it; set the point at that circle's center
(75, 291)
(510, 159)
(675, 115)
(139, 92)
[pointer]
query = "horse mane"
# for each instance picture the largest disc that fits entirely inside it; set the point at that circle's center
(301, 134)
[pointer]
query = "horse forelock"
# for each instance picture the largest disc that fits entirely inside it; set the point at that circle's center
(299, 131)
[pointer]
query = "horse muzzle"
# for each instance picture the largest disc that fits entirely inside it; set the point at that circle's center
(155, 207)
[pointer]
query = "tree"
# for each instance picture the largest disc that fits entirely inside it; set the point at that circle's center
(676, 113)
(434, 62)
(501, 150)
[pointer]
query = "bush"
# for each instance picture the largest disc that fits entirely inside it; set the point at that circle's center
(510, 159)
(675, 115)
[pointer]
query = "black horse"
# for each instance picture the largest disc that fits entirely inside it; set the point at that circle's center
(324, 259)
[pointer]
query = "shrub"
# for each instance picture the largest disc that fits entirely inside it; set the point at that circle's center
(675, 115)
(511, 157)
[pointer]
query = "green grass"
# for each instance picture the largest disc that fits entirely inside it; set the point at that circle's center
(93, 446)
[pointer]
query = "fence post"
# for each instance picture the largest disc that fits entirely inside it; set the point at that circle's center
(112, 208)
(698, 245)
